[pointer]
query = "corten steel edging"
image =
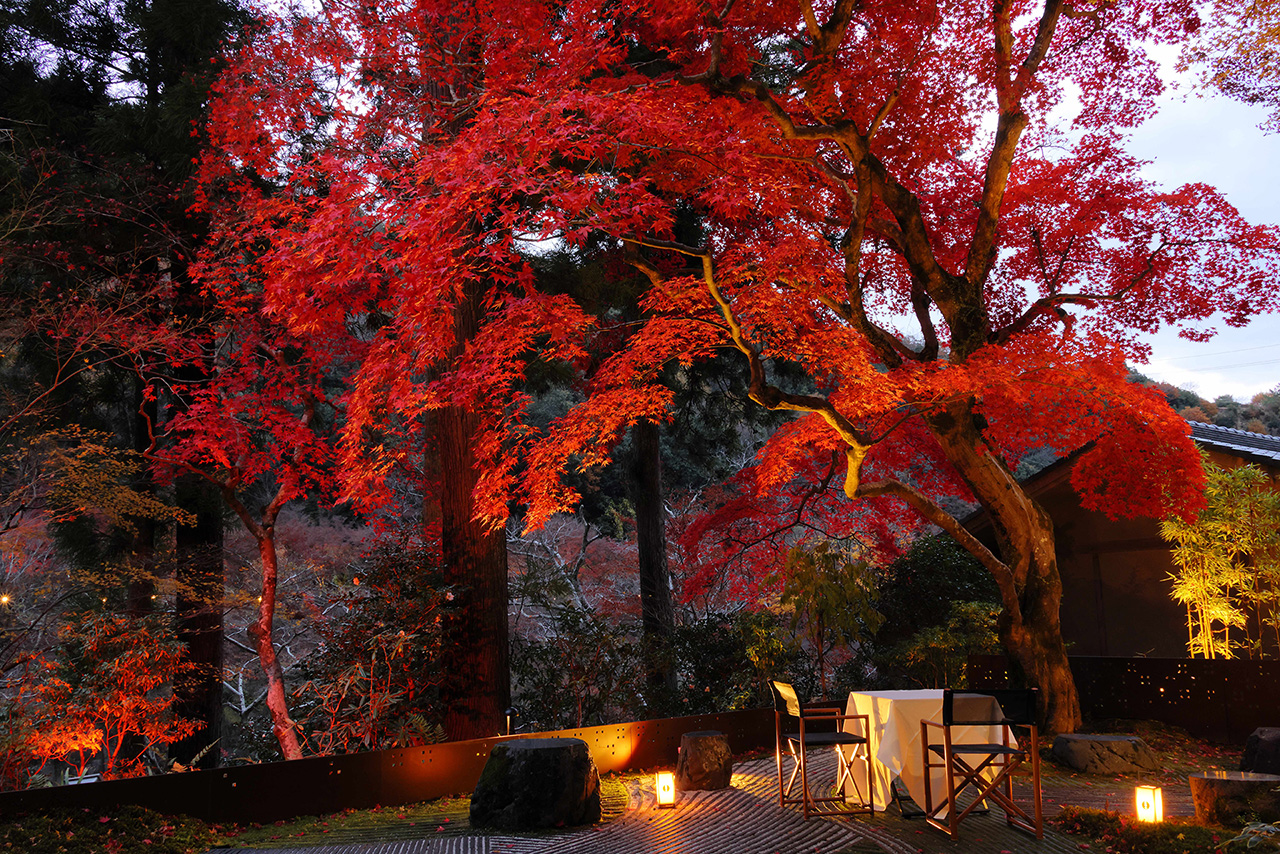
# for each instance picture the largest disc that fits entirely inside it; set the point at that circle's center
(1222, 700)
(281, 790)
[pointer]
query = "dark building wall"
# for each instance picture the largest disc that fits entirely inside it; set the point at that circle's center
(1116, 592)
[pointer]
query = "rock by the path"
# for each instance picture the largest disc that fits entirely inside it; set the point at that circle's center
(1234, 797)
(705, 761)
(535, 783)
(1104, 754)
(1262, 751)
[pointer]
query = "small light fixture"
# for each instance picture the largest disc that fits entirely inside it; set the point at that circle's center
(1150, 803)
(664, 785)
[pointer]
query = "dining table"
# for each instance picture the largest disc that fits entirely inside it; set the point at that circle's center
(894, 718)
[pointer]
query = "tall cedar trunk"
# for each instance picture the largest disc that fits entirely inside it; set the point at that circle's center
(261, 632)
(1030, 624)
(198, 694)
(656, 609)
(476, 684)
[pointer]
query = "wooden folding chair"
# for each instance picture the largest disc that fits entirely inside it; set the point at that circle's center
(987, 768)
(796, 744)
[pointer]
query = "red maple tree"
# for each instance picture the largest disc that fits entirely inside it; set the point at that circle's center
(260, 430)
(926, 207)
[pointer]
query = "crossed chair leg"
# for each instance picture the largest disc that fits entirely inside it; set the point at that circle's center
(806, 799)
(999, 789)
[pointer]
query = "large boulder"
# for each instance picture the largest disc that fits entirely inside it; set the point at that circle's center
(536, 783)
(1234, 797)
(1262, 751)
(1105, 754)
(705, 761)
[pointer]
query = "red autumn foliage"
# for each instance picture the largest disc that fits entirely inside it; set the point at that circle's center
(926, 207)
(107, 696)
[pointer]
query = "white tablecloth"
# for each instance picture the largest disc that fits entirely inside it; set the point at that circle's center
(895, 727)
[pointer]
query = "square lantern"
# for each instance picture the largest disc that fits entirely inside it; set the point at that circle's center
(1150, 803)
(664, 785)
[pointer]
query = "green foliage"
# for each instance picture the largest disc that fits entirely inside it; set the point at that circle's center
(579, 670)
(1123, 834)
(831, 596)
(722, 662)
(1258, 835)
(583, 669)
(773, 654)
(1228, 562)
(918, 589)
(373, 680)
(936, 656)
(121, 830)
(939, 605)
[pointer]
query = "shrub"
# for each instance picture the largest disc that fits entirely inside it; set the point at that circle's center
(939, 606)
(937, 656)
(373, 681)
(1260, 835)
(581, 671)
(1123, 834)
(123, 830)
(723, 660)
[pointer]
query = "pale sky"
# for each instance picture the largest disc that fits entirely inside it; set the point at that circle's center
(1217, 141)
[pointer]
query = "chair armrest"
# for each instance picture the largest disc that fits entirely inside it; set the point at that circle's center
(806, 708)
(840, 719)
(834, 714)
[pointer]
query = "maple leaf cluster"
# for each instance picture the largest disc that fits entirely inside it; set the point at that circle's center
(916, 203)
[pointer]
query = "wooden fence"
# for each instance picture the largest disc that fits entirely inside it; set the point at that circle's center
(1221, 700)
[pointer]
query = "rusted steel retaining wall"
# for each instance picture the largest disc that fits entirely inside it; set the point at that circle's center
(280, 790)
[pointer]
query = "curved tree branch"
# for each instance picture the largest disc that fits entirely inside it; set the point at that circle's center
(944, 520)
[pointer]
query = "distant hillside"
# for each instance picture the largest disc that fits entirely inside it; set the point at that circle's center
(1259, 415)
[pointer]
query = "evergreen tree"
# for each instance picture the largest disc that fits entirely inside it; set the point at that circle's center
(102, 105)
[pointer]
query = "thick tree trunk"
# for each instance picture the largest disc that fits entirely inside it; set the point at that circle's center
(198, 694)
(656, 610)
(261, 632)
(476, 690)
(1030, 624)
(476, 685)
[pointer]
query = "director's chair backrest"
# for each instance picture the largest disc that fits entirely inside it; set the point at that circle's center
(785, 701)
(1015, 706)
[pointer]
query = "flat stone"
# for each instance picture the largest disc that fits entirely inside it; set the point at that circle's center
(537, 783)
(1104, 754)
(1234, 797)
(1262, 751)
(705, 761)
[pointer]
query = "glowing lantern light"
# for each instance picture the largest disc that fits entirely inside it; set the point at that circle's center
(665, 787)
(1150, 803)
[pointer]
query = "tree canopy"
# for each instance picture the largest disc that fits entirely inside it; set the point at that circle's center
(926, 207)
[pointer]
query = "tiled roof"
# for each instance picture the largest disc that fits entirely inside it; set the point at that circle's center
(1255, 447)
